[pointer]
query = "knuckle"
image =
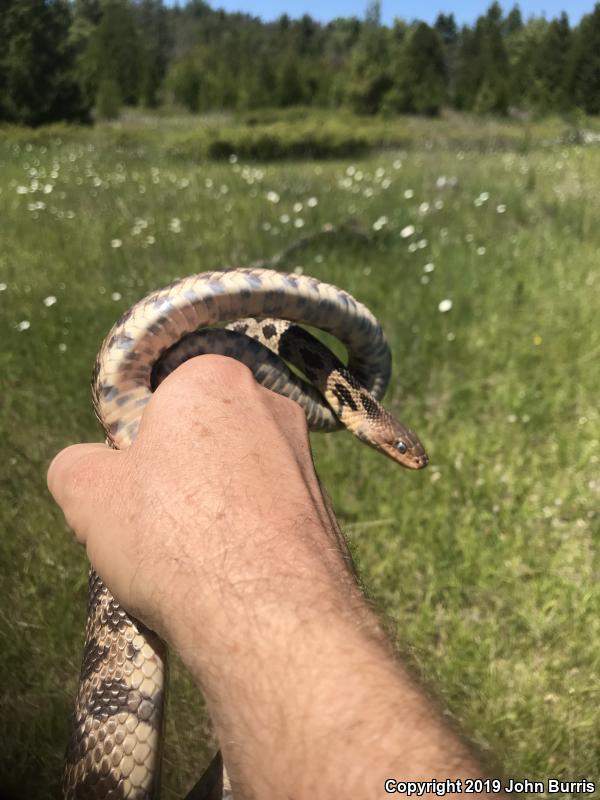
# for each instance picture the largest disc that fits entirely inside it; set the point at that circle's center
(205, 375)
(290, 409)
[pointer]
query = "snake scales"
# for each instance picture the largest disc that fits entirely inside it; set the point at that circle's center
(114, 749)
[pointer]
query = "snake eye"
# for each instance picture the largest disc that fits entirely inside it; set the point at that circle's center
(400, 446)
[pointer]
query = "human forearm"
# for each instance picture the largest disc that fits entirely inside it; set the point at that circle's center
(212, 528)
(306, 696)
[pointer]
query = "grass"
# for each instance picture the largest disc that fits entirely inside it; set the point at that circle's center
(487, 563)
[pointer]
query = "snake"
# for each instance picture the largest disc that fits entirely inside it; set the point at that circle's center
(261, 318)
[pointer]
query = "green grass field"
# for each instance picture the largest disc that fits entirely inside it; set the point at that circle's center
(486, 564)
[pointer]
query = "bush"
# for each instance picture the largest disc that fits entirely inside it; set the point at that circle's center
(277, 141)
(108, 99)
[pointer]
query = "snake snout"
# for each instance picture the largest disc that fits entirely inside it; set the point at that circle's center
(422, 461)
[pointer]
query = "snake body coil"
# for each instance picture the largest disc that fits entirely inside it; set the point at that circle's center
(114, 750)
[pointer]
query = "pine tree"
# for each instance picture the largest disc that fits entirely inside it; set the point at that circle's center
(113, 52)
(445, 27)
(467, 80)
(421, 84)
(290, 87)
(513, 21)
(263, 86)
(155, 43)
(552, 66)
(523, 47)
(584, 79)
(370, 77)
(38, 83)
(183, 81)
(108, 99)
(483, 67)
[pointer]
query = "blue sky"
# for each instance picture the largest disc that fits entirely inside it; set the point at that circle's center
(427, 10)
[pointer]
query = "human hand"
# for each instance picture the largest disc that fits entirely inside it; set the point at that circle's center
(217, 491)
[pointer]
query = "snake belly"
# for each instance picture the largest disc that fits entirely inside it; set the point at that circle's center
(114, 750)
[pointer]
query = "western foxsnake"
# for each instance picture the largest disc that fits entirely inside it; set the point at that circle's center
(115, 746)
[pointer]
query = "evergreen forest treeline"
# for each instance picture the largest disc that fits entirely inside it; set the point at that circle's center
(69, 60)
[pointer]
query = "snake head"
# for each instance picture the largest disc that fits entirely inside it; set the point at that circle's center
(400, 444)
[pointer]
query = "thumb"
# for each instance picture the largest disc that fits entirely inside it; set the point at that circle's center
(82, 479)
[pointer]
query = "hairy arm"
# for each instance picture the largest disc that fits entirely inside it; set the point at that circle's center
(212, 528)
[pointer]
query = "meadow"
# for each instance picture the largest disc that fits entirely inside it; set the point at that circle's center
(478, 252)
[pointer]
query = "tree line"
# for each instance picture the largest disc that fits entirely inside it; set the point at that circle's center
(76, 59)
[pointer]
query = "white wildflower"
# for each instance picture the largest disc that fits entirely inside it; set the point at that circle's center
(115, 243)
(116, 296)
(445, 305)
(429, 267)
(397, 164)
(24, 325)
(409, 194)
(481, 251)
(3, 287)
(62, 347)
(501, 208)
(272, 197)
(297, 208)
(233, 159)
(284, 219)
(380, 223)
(49, 301)
(299, 223)
(312, 202)
(298, 270)
(424, 208)
(422, 243)
(407, 231)
(22, 189)
(175, 225)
